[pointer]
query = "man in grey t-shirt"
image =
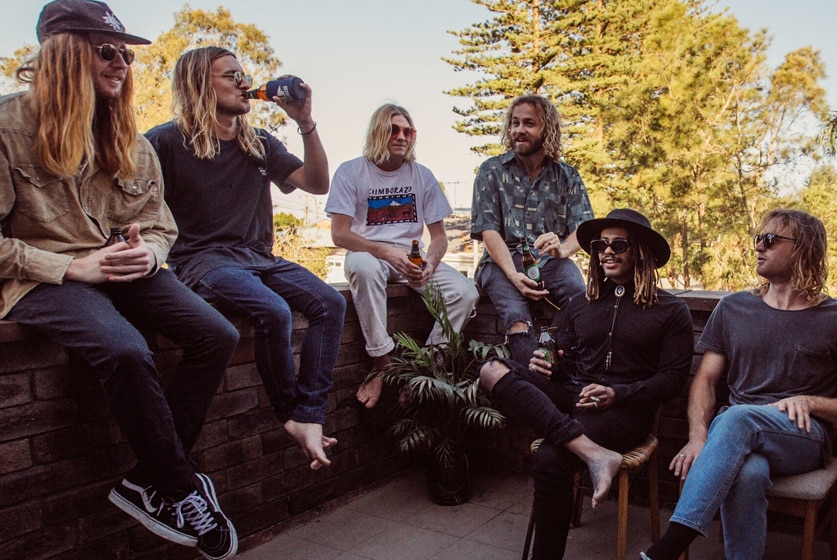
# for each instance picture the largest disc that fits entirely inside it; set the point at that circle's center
(782, 380)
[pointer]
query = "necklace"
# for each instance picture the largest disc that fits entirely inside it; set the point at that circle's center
(619, 291)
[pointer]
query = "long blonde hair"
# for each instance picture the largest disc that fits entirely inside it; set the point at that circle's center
(551, 125)
(808, 256)
(74, 129)
(375, 149)
(194, 104)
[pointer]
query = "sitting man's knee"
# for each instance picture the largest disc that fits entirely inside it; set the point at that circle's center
(492, 372)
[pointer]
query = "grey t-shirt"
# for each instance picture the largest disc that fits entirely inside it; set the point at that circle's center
(773, 353)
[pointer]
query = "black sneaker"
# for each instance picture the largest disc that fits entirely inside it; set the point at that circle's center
(202, 514)
(146, 505)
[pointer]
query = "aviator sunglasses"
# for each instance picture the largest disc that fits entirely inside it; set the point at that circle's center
(408, 132)
(768, 239)
(108, 52)
(617, 245)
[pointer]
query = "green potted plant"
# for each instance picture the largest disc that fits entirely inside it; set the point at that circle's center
(440, 404)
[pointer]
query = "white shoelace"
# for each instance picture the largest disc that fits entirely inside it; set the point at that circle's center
(194, 510)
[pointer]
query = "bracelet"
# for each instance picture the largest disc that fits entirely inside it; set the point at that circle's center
(313, 128)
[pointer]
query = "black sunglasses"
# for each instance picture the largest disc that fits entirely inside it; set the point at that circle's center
(617, 245)
(108, 52)
(768, 239)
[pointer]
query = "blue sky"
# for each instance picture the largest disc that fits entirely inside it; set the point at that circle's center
(358, 54)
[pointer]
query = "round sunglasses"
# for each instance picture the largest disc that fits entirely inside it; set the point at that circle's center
(108, 52)
(408, 131)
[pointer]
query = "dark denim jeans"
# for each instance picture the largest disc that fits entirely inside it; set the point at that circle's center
(560, 276)
(548, 407)
(266, 296)
(101, 323)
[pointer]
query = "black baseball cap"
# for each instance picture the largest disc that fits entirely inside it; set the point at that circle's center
(82, 16)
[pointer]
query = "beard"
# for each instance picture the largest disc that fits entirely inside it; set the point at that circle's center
(529, 149)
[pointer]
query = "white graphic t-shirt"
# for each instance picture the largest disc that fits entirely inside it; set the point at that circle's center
(387, 206)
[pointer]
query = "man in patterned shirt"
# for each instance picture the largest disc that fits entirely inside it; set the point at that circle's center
(528, 193)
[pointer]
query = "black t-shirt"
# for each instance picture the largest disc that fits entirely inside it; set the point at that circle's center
(222, 206)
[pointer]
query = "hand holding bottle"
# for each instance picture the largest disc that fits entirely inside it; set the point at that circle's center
(125, 264)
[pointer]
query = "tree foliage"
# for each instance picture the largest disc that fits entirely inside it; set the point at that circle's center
(154, 63)
(667, 107)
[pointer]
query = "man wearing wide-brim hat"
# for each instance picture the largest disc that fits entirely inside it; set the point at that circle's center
(624, 349)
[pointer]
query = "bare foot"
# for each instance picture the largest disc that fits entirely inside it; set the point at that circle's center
(602, 467)
(310, 438)
(370, 392)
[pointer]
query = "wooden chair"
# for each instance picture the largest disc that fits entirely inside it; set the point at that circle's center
(632, 461)
(805, 495)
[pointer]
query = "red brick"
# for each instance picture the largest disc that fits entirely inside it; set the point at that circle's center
(15, 456)
(19, 520)
(75, 440)
(253, 422)
(233, 453)
(262, 517)
(229, 404)
(15, 389)
(241, 377)
(39, 545)
(213, 433)
(77, 502)
(36, 418)
(31, 353)
(45, 480)
(254, 471)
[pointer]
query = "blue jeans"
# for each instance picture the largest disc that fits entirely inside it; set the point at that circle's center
(266, 295)
(102, 323)
(746, 445)
(548, 407)
(560, 276)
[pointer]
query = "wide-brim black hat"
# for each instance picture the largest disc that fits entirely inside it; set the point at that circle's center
(82, 16)
(634, 222)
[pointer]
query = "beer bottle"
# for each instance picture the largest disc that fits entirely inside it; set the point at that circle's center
(288, 89)
(546, 345)
(415, 255)
(530, 266)
(115, 237)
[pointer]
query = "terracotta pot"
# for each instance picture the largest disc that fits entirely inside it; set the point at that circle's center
(449, 485)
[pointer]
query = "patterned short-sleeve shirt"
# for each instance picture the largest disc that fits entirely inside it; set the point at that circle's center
(507, 201)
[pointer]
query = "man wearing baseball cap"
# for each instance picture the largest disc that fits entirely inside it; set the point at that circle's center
(625, 349)
(73, 169)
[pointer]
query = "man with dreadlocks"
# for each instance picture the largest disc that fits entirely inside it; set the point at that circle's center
(218, 170)
(779, 345)
(627, 350)
(528, 193)
(73, 168)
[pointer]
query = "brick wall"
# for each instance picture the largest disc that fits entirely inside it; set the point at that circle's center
(60, 452)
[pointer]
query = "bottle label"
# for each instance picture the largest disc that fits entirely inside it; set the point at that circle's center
(547, 354)
(533, 272)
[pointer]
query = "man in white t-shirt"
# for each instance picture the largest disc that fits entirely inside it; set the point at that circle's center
(379, 204)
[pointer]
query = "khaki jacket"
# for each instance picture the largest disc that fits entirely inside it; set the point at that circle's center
(46, 221)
